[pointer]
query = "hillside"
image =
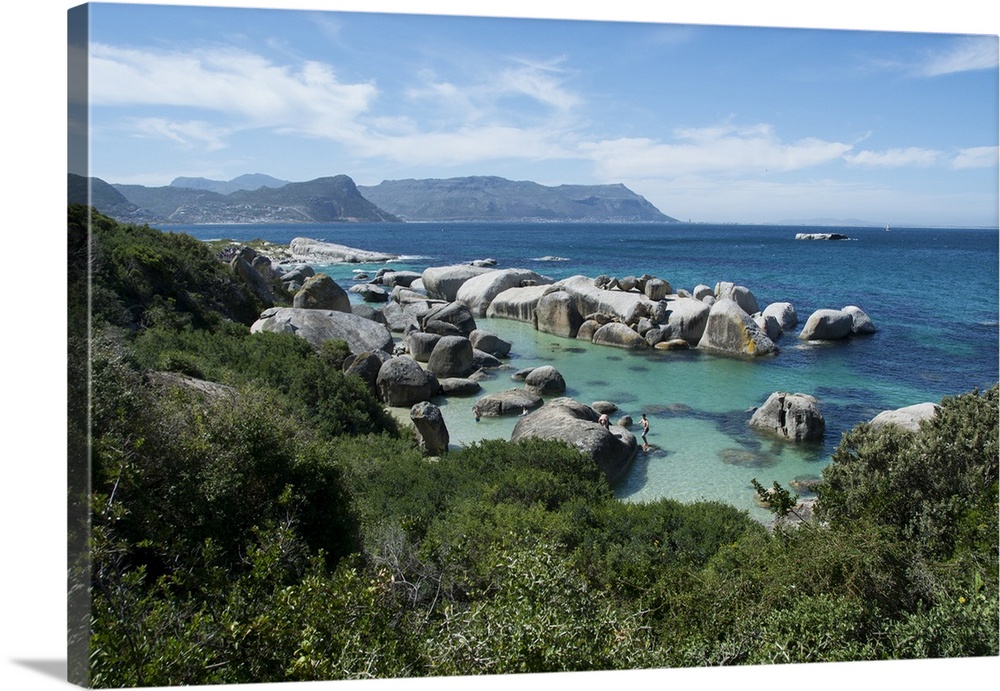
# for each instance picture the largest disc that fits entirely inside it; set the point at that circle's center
(324, 200)
(488, 198)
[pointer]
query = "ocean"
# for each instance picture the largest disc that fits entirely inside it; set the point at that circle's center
(932, 294)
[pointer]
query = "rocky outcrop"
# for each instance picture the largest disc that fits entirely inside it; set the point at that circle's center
(741, 295)
(908, 418)
(366, 365)
(260, 286)
(432, 433)
(443, 282)
(453, 314)
(619, 335)
(315, 252)
(402, 382)
(556, 314)
(452, 357)
(320, 292)
(545, 381)
(517, 303)
(827, 325)
(576, 424)
(730, 330)
(318, 326)
(479, 291)
(792, 416)
(821, 236)
(507, 403)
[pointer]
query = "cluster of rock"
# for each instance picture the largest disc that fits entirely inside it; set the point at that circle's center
(821, 236)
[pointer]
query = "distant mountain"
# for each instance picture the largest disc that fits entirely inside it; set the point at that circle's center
(100, 195)
(251, 181)
(324, 200)
(487, 198)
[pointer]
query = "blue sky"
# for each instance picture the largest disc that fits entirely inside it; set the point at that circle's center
(709, 123)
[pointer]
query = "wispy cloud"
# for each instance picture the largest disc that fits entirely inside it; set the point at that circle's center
(246, 88)
(976, 157)
(724, 149)
(964, 55)
(896, 158)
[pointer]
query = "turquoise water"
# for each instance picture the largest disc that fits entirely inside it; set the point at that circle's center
(932, 294)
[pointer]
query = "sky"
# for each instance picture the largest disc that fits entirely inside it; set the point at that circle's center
(709, 123)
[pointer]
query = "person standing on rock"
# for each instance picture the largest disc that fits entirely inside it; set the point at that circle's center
(604, 422)
(645, 431)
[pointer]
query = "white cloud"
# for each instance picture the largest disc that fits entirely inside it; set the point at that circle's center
(896, 158)
(724, 149)
(539, 83)
(967, 54)
(976, 157)
(247, 88)
(190, 133)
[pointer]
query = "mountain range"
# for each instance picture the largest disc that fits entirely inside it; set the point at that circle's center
(258, 198)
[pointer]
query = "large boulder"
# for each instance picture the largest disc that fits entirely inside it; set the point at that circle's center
(741, 295)
(507, 403)
(420, 344)
(370, 292)
(403, 382)
(489, 342)
(784, 313)
(459, 386)
(318, 326)
(619, 335)
(626, 306)
(576, 424)
(861, 323)
(317, 252)
(686, 317)
(908, 418)
(517, 303)
(730, 330)
(827, 325)
(545, 381)
(366, 366)
(792, 416)
(320, 292)
(454, 313)
(556, 314)
(432, 433)
(452, 356)
(443, 282)
(258, 285)
(479, 291)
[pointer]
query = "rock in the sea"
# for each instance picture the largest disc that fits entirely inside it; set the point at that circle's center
(792, 416)
(517, 303)
(403, 382)
(741, 295)
(459, 386)
(370, 292)
(731, 330)
(316, 252)
(784, 313)
(320, 292)
(317, 326)
(420, 344)
(908, 418)
(454, 313)
(545, 381)
(507, 403)
(576, 424)
(556, 314)
(620, 336)
(827, 325)
(443, 282)
(861, 323)
(489, 342)
(452, 357)
(479, 291)
(432, 433)
(821, 236)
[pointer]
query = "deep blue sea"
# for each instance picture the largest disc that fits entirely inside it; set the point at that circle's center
(932, 294)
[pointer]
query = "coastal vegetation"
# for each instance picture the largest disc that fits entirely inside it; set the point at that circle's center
(252, 514)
